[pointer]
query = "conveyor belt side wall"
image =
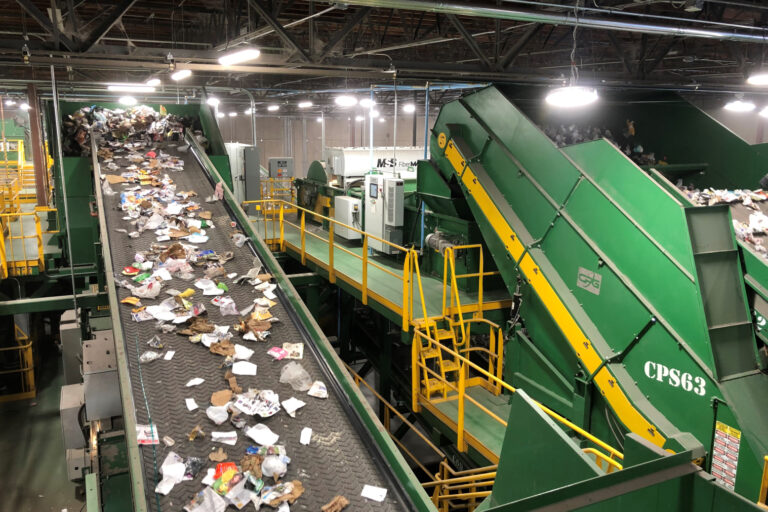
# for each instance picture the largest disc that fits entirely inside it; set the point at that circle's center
(608, 267)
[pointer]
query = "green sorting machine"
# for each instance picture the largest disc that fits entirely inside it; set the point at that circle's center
(632, 320)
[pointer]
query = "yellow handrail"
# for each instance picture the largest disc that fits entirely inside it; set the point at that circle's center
(8, 247)
(763, 496)
(467, 364)
(410, 260)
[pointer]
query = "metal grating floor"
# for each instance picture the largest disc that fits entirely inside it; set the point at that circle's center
(337, 461)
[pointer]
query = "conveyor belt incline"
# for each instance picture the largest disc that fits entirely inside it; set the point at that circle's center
(340, 458)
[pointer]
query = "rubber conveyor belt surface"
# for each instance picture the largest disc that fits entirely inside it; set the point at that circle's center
(337, 461)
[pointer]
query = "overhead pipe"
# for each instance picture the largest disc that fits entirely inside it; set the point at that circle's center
(569, 19)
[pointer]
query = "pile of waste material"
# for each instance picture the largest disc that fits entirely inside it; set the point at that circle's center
(754, 229)
(139, 123)
(627, 140)
(712, 196)
(185, 290)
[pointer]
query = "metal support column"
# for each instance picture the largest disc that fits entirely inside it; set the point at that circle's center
(36, 141)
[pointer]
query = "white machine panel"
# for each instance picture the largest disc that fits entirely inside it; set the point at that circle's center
(384, 210)
(348, 210)
(356, 162)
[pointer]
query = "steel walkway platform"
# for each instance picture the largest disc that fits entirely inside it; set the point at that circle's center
(342, 456)
(383, 287)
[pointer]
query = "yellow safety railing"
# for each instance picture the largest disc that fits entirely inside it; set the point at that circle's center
(278, 188)
(18, 168)
(15, 257)
(10, 191)
(460, 394)
(461, 490)
(25, 366)
(762, 499)
(274, 234)
(450, 280)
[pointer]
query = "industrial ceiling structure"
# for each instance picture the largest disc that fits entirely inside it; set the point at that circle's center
(310, 46)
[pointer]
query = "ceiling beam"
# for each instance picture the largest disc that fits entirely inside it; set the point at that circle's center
(470, 41)
(506, 60)
(339, 36)
(45, 22)
(113, 17)
(621, 52)
(279, 30)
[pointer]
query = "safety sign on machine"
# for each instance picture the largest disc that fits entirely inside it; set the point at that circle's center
(725, 455)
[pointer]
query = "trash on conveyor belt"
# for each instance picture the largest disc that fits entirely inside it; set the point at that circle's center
(136, 124)
(752, 226)
(184, 289)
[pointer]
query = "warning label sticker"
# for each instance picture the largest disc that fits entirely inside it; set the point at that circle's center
(725, 454)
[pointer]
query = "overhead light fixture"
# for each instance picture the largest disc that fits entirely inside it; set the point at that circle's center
(273, 108)
(345, 100)
(233, 114)
(764, 112)
(319, 119)
(130, 88)
(374, 113)
(220, 114)
(181, 74)
(758, 78)
(153, 82)
(359, 118)
(248, 111)
(305, 104)
(9, 102)
(572, 96)
(367, 103)
(213, 101)
(409, 108)
(127, 100)
(693, 5)
(381, 119)
(24, 106)
(739, 105)
(239, 56)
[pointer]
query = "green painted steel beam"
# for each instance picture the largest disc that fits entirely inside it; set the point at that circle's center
(306, 279)
(57, 303)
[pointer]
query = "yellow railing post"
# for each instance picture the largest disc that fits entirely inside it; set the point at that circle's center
(406, 284)
(39, 238)
(282, 228)
(4, 262)
(331, 270)
(461, 444)
(365, 269)
(446, 253)
(415, 384)
(480, 286)
(763, 496)
(499, 359)
(303, 238)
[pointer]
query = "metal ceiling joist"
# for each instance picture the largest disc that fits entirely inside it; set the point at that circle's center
(509, 57)
(470, 41)
(45, 22)
(355, 20)
(550, 18)
(113, 17)
(621, 52)
(279, 30)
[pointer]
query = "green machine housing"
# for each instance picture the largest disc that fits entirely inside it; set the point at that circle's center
(633, 313)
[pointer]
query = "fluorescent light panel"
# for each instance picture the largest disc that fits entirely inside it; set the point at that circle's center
(239, 56)
(181, 74)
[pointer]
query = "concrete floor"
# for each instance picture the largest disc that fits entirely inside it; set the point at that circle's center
(33, 475)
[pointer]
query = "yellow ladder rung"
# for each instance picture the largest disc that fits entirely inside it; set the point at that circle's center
(450, 366)
(445, 334)
(430, 353)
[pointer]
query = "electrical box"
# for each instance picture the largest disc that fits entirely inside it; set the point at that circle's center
(348, 210)
(77, 459)
(384, 205)
(71, 350)
(102, 388)
(281, 167)
(252, 173)
(71, 401)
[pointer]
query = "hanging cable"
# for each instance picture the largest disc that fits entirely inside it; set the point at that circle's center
(60, 155)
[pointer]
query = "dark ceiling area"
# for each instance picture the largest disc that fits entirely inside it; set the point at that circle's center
(315, 45)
